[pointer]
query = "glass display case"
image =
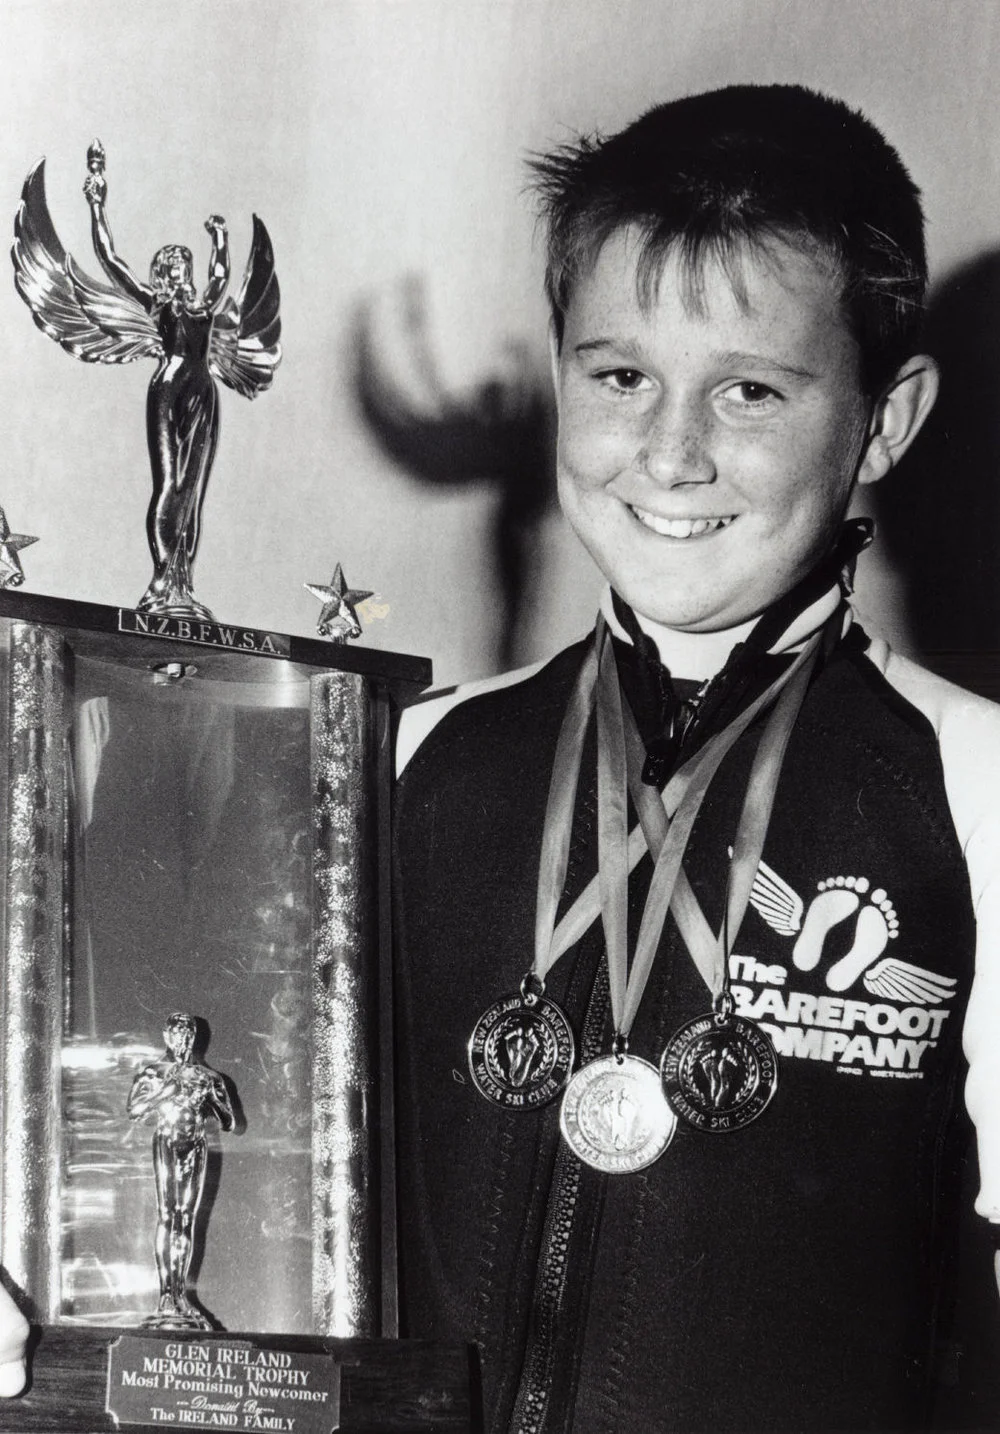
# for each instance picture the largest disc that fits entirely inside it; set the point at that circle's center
(195, 819)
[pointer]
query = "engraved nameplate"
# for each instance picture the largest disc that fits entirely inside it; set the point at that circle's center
(214, 1382)
(209, 634)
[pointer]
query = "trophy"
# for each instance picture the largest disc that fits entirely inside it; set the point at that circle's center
(195, 819)
(180, 1094)
(194, 341)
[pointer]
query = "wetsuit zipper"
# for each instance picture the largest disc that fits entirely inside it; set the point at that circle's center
(531, 1406)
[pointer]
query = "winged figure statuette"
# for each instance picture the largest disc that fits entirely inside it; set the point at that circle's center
(193, 339)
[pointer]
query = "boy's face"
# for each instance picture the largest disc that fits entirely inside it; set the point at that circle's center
(707, 450)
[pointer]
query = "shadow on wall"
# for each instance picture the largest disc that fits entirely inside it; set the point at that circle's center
(500, 433)
(940, 515)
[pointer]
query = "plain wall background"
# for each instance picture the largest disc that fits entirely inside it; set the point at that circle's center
(385, 138)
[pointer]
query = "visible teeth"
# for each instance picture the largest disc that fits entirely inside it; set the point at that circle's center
(680, 527)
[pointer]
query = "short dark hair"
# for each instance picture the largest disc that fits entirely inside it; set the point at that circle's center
(715, 173)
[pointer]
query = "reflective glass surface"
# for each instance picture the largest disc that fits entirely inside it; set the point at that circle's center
(188, 889)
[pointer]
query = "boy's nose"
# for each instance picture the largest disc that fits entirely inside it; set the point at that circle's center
(675, 450)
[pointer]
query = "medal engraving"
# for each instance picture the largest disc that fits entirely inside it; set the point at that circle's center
(614, 1116)
(521, 1052)
(719, 1075)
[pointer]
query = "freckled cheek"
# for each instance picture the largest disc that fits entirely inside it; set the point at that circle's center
(576, 496)
(756, 471)
(828, 449)
(782, 471)
(592, 452)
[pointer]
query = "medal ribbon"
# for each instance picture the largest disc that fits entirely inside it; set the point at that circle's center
(709, 952)
(557, 829)
(620, 758)
(710, 956)
(552, 941)
(587, 906)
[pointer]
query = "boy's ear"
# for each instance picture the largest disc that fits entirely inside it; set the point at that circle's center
(898, 416)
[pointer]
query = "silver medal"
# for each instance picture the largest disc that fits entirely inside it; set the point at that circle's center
(521, 1052)
(719, 1072)
(614, 1115)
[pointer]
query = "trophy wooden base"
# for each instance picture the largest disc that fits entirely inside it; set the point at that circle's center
(79, 1376)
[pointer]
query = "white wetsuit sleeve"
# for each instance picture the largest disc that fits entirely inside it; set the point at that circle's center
(968, 731)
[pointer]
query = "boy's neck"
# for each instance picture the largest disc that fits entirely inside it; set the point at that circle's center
(698, 656)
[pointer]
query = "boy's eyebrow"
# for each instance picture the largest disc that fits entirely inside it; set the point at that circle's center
(620, 346)
(627, 350)
(775, 365)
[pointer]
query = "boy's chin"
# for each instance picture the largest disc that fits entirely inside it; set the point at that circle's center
(681, 616)
(688, 597)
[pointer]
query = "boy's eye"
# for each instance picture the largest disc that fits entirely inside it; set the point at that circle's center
(748, 394)
(623, 380)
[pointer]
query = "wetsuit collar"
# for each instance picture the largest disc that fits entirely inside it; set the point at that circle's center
(697, 656)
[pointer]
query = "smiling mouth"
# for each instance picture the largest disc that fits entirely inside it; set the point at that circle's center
(680, 527)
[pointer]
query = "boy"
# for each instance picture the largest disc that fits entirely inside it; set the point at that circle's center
(761, 1233)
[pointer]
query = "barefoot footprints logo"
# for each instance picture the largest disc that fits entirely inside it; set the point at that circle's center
(837, 900)
(888, 1035)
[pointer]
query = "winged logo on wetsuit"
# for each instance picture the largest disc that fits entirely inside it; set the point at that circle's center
(783, 909)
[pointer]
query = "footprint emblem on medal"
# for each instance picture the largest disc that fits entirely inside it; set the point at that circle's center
(521, 1051)
(614, 1116)
(719, 1073)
